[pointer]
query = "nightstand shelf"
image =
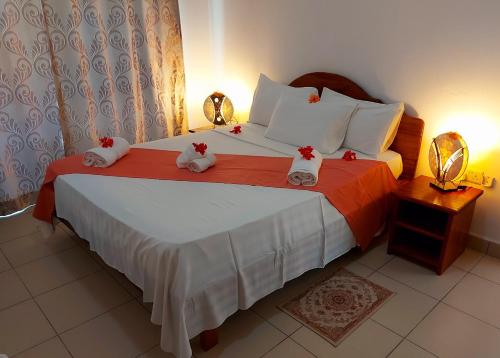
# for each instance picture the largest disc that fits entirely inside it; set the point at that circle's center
(419, 230)
(430, 227)
(416, 247)
(428, 219)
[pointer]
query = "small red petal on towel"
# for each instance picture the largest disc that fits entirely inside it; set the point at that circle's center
(236, 130)
(106, 142)
(200, 148)
(349, 155)
(306, 152)
(314, 98)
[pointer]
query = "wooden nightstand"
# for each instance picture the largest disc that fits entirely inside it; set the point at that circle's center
(428, 226)
(201, 129)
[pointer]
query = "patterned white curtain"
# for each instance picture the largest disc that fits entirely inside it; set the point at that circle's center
(75, 70)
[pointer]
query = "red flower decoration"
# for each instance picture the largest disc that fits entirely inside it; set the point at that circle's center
(236, 130)
(106, 142)
(349, 155)
(306, 152)
(314, 98)
(200, 148)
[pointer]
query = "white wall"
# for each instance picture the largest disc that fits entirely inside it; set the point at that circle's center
(442, 58)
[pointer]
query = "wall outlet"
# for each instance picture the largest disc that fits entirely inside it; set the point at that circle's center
(479, 178)
(474, 177)
(488, 181)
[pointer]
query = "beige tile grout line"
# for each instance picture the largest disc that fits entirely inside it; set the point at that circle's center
(60, 286)
(301, 325)
(403, 338)
(286, 335)
(434, 307)
(44, 315)
(278, 329)
(18, 237)
(441, 300)
(33, 298)
(38, 258)
(355, 260)
(132, 298)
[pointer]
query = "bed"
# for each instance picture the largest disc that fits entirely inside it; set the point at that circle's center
(201, 251)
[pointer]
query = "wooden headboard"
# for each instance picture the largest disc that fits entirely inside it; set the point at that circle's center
(410, 131)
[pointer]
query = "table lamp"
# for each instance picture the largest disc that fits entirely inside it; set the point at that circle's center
(448, 157)
(218, 109)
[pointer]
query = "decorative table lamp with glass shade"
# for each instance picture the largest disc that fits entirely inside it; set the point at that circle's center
(448, 157)
(218, 109)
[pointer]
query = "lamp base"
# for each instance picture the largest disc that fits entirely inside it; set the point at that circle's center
(444, 186)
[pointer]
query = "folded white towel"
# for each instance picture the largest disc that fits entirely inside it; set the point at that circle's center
(188, 155)
(202, 164)
(104, 157)
(303, 171)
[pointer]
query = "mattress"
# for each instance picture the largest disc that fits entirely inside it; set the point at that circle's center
(201, 251)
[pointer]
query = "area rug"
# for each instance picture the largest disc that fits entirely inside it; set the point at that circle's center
(335, 307)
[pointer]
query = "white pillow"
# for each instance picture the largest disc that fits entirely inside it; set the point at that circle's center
(372, 127)
(322, 125)
(267, 95)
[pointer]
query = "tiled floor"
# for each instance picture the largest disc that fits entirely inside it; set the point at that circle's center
(58, 299)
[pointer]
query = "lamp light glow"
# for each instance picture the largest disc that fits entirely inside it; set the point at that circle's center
(479, 130)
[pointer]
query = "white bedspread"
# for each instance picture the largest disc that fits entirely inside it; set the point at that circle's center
(201, 251)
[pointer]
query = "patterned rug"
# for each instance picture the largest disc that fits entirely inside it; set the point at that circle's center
(335, 307)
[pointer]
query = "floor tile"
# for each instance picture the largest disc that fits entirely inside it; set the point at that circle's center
(368, 340)
(465, 298)
(33, 246)
(449, 333)
(74, 303)
(16, 226)
(268, 309)
(359, 269)
(50, 349)
(488, 268)
(409, 350)
(12, 289)
(494, 249)
(124, 282)
(421, 278)
(56, 270)
(4, 264)
(289, 349)
(468, 259)
(376, 257)
(23, 326)
(405, 309)
(243, 335)
(156, 353)
(123, 332)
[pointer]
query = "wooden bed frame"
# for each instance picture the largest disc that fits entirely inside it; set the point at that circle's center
(410, 131)
(407, 142)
